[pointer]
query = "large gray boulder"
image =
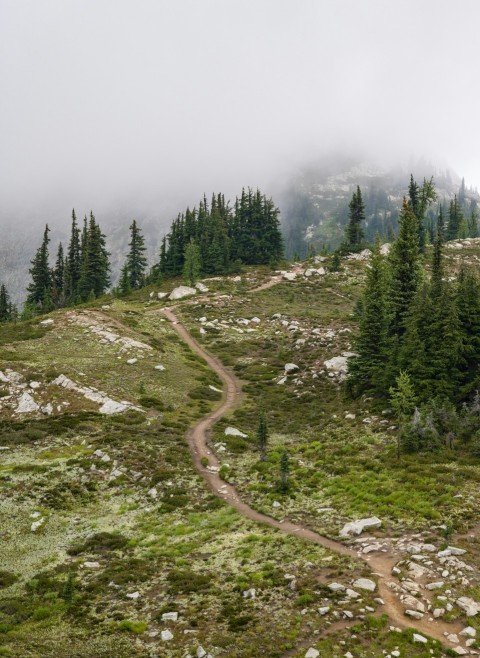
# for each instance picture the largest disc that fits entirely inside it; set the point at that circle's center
(181, 292)
(357, 527)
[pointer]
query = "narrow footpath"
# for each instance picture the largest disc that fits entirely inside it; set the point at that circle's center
(380, 564)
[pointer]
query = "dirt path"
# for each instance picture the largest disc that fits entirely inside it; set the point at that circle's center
(380, 564)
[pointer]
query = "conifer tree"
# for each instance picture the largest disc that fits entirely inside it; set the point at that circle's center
(58, 279)
(403, 401)
(284, 472)
(39, 290)
(455, 217)
(354, 232)
(367, 370)
(124, 286)
(95, 267)
(6, 309)
(192, 264)
(73, 262)
(468, 305)
(405, 268)
(136, 260)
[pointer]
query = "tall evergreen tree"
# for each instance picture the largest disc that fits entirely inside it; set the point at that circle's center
(455, 217)
(136, 260)
(354, 232)
(58, 279)
(367, 370)
(405, 268)
(73, 262)
(95, 267)
(192, 264)
(39, 290)
(262, 434)
(6, 308)
(468, 305)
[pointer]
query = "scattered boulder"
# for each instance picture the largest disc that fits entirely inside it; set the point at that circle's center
(290, 276)
(312, 653)
(336, 587)
(201, 287)
(132, 361)
(166, 635)
(365, 583)
(419, 638)
(232, 431)
(181, 292)
(469, 606)
(170, 616)
(357, 527)
(291, 367)
(37, 524)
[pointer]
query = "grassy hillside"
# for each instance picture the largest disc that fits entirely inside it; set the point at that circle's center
(106, 527)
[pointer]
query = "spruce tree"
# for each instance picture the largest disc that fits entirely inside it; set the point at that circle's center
(367, 369)
(39, 290)
(192, 264)
(124, 286)
(455, 217)
(136, 260)
(58, 279)
(403, 401)
(354, 232)
(405, 269)
(468, 306)
(6, 309)
(284, 472)
(73, 262)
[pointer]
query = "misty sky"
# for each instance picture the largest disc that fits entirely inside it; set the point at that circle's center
(137, 102)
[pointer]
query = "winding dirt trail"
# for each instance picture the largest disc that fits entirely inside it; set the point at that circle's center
(380, 564)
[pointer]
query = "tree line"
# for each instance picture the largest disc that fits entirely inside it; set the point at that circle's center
(419, 330)
(213, 239)
(224, 238)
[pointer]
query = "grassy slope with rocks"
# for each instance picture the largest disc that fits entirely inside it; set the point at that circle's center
(127, 529)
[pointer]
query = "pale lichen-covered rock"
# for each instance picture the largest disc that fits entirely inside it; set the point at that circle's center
(201, 287)
(312, 653)
(419, 638)
(469, 606)
(232, 431)
(26, 404)
(166, 635)
(291, 367)
(181, 292)
(357, 527)
(365, 583)
(170, 616)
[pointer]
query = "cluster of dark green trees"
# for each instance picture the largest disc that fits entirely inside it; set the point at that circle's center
(8, 311)
(224, 237)
(79, 275)
(417, 326)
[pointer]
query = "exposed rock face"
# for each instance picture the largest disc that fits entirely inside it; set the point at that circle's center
(26, 404)
(108, 406)
(357, 527)
(181, 292)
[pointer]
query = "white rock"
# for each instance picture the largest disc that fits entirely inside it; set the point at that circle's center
(170, 616)
(201, 287)
(160, 367)
(460, 651)
(419, 638)
(166, 635)
(232, 431)
(153, 493)
(336, 587)
(132, 361)
(201, 653)
(250, 593)
(161, 295)
(352, 594)
(469, 631)
(290, 276)
(47, 322)
(282, 381)
(37, 524)
(181, 292)
(469, 606)
(312, 653)
(349, 416)
(438, 612)
(365, 583)
(91, 565)
(133, 595)
(323, 611)
(453, 638)
(357, 527)
(26, 404)
(436, 585)
(276, 504)
(414, 613)
(34, 385)
(47, 409)
(291, 367)
(256, 320)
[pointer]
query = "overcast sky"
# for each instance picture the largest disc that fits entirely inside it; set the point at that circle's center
(137, 102)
